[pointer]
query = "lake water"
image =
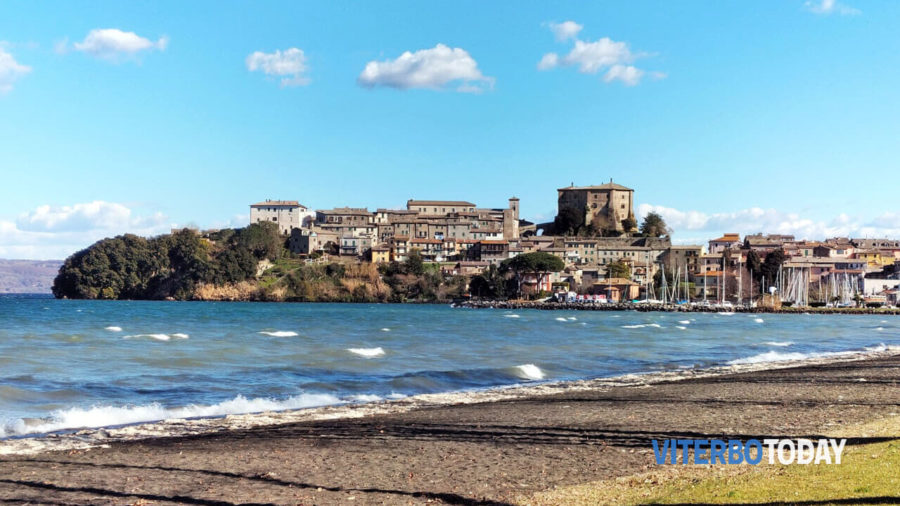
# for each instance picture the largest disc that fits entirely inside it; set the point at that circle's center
(66, 364)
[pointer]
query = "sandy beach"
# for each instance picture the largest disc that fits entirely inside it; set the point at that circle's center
(479, 448)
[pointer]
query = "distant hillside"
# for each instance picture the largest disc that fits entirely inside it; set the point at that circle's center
(28, 276)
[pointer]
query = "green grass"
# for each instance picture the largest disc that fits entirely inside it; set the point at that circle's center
(866, 472)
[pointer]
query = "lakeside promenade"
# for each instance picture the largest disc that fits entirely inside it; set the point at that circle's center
(501, 452)
(671, 308)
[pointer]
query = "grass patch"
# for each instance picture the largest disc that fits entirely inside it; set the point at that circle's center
(866, 472)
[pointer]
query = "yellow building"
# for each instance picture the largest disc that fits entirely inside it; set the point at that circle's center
(874, 258)
(381, 255)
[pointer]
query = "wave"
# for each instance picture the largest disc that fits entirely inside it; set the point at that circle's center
(882, 347)
(510, 316)
(113, 328)
(530, 372)
(104, 416)
(778, 343)
(158, 337)
(642, 325)
(385, 329)
(684, 322)
(280, 333)
(679, 327)
(561, 319)
(367, 352)
(759, 320)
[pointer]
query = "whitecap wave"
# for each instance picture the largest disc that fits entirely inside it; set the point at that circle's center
(104, 416)
(510, 316)
(778, 343)
(385, 329)
(367, 352)
(113, 328)
(777, 356)
(530, 372)
(280, 333)
(759, 320)
(679, 327)
(882, 347)
(365, 398)
(560, 319)
(571, 318)
(637, 326)
(684, 322)
(158, 337)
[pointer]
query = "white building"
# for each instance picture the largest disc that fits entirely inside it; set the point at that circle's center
(288, 214)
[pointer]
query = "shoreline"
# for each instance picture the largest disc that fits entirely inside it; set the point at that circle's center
(501, 451)
(544, 306)
(670, 308)
(101, 437)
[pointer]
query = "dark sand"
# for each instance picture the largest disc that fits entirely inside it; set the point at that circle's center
(476, 453)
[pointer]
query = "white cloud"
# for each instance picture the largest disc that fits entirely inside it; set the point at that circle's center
(112, 44)
(290, 65)
(549, 61)
(826, 7)
(591, 57)
(628, 74)
(438, 68)
(10, 70)
(614, 58)
(565, 30)
(700, 227)
(50, 232)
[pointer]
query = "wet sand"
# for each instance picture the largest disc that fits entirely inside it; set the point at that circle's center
(465, 453)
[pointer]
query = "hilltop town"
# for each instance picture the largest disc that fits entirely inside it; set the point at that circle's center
(607, 255)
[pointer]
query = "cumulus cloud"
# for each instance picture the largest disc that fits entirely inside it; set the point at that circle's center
(700, 227)
(113, 44)
(548, 61)
(565, 30)
(55, 232)
(10, 70)
(613, 58)
(440, 67)
(289, 65)
(628, 74)
(826, 7)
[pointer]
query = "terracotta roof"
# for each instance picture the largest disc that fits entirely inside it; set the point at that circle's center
(268, 203)
(494, 242)
(445, 203)
(355, 211)
(607, 186)
(615, 281)
(426, 241)
(728, 238)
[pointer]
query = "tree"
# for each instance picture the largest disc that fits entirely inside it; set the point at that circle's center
(618, 269)
(414, 263)
(568, 222)
(654, 226)
(629, 224)
(771, 266)
(539, 263)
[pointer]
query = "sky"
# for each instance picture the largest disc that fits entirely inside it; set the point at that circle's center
(772, 116)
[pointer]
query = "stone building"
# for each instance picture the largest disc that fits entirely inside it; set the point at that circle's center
(604, 207)
(287, 214)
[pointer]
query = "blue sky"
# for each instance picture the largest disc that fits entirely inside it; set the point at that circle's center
(725, 116)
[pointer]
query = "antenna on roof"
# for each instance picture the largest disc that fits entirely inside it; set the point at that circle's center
(572, 184)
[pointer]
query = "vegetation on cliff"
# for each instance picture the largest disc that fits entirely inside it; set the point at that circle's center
(250, 263)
